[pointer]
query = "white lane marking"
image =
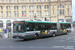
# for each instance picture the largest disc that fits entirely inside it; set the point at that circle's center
(66, 37)
(23, 47)
(71, 37)
(63, 36)
(61, 40)
(59, 36)
(71, 41)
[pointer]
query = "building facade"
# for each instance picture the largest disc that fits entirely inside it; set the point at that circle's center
(41, 10)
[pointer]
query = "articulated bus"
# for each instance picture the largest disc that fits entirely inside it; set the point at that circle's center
(36, 29)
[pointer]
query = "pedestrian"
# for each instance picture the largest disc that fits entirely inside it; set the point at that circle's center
(9, 32)
(5, 33)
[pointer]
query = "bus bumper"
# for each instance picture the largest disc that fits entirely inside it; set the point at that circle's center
(18, 37)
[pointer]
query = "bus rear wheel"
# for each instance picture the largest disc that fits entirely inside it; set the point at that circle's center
(53, 34)
(36, 36)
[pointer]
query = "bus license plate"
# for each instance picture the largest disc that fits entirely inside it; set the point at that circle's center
(17, 37)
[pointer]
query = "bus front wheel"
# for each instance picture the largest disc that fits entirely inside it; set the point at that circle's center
(36, 36)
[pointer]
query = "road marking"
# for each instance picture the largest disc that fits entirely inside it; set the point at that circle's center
(71, 41)
(74, 39)
(61, 40)
(59, 36)
(65, 37)
(70, 38)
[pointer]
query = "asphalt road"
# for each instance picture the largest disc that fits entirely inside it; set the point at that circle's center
(63, 42)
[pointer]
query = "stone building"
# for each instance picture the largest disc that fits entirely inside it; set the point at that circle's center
(43, 10)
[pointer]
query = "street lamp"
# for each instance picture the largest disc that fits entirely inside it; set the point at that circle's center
(50, 9)
(35, 17)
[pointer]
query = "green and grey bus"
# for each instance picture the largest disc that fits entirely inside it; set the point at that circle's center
(36, 29)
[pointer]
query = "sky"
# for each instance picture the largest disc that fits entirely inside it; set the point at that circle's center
(73, 10)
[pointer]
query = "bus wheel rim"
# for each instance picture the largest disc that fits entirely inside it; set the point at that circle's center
(53, 34)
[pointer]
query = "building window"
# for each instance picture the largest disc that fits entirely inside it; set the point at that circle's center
(45, 13)
(37, 0)
(45, 7)
(17, 13)
(57, 12)
(14, 13)
(68, 12)
(24, 7)
(9, 13)
(30, 7)
(17, 1)
(23, 13)
(47, 0)
(38, 6)
(1, 23)
(29, 0)
(63, 12)
(60, 6)
(68, 6)
(44, 0)
(31, 13)
(58, 0)
(60, 12)
(17, 7)
(9, 0)
(32, 0)
(40, 0)
(53, 12)
(53, 7)
(39, 13)
(1, 0)
(6, 0)
(6, 7)
(1, 13)
(9, 8)
(61, 20)
(1, 8)
(14, 0)
(14, 7)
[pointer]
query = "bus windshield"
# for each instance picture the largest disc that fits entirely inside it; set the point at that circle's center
(19, 26)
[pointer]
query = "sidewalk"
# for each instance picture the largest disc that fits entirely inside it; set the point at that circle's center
(73, 29)
(5, 38)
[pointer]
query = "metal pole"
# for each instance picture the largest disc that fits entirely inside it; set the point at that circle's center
(50, 10)
(58, 24)
(72, 24)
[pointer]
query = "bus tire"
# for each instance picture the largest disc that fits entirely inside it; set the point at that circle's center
(0, 36)
(54, 35)
(36, 36)
(66, 32)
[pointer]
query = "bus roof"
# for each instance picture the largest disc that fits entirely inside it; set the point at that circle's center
(39, 22)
